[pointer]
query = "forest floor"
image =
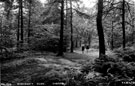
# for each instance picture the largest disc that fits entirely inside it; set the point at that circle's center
(40, 63)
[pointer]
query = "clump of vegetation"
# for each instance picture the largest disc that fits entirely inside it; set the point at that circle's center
(87, 67)
(128, 54)
(19, 64)
(103, 63)
(115, 70)
(9, 56)
(62, 77)
(46, 44)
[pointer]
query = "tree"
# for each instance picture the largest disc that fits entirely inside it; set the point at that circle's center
(21, 12)
(100, 28)
(29, 21)
(18, 29)
(123, 23)
(71, 25)
(60, 53)
(66, 14)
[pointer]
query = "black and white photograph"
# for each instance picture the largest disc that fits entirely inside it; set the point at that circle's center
(67, 42)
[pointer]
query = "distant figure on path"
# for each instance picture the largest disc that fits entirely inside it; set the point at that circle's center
(83, 48)
(87, 47)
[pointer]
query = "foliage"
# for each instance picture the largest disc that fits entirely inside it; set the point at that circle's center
(70, 77)
(6, 37)
(115, 70)
(113, 20)
(46, 44)
(60, 76)
(127, 54)
(87, 67)
(103, 63)
(9, 56)
(108, 72)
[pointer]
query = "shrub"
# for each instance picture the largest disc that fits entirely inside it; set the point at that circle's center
(8, 56)
(46, 44)
(63, 77)
(87, 67)
(102, 65)
(110, 67)
(128, 54)
(6, 39)
(48, 78)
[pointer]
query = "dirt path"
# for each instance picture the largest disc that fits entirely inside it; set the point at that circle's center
(93, 53)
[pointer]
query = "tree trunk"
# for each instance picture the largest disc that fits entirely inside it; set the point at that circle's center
(29, 21)
(100, 28)
(21, 9)
(18, 29)
(123, 23)
(60, 53)
(66, 14)
(71, 27)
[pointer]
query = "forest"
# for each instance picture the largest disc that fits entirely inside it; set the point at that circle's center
(67, 42)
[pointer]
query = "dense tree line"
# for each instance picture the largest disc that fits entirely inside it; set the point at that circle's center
(68, 23)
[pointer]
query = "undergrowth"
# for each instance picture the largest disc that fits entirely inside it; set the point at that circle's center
(105, 71)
